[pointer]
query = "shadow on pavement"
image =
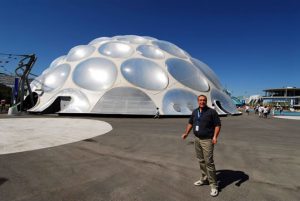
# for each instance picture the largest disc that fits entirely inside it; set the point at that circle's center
(3, 180)
(227, 177)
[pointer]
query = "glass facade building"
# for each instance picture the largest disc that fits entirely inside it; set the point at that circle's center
(286, 97)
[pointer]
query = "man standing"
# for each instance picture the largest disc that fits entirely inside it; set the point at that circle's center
(206, 125)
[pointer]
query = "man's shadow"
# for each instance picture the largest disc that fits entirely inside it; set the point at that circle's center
(3, 180)
(227, 177)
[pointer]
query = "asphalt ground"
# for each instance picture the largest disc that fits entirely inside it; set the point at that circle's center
(146, 159)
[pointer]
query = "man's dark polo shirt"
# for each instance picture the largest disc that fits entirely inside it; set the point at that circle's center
(207, 122)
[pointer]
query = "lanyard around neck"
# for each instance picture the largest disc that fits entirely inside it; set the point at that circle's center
(199, 114)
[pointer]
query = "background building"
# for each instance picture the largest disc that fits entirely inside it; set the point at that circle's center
(6, 84)
(285, 97)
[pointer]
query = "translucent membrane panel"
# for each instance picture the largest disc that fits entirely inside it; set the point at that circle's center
(95, 74)
(116, 49)
(226, 104)
(99, 40)
(36, 84)
(54, 64)
(57, 61)
(208, 72)
(79, 103)
(149, 38)
(133, 39)
(151, 52)
(187, 74)
(144, 73)
(80, 52)
(179, 102)
(125, 100)
(170, 48)
(187, 54)
(55, 78)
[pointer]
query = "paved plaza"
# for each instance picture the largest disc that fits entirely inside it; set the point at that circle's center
(145, 159)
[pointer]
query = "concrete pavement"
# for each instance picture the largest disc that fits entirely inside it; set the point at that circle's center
(145, 159)
(26, 134)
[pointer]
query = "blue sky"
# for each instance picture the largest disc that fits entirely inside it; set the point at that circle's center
(251, 45)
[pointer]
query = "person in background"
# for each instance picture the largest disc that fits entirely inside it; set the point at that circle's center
(256, 109)
(3, 102)
(247, 109)
(157, 113)
(280, 110)
(260, 111)
(273, 111)
(266, 111)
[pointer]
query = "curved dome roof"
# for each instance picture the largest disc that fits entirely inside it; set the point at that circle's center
(128, 75)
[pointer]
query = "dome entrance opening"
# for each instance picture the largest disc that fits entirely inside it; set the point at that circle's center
(60, 103)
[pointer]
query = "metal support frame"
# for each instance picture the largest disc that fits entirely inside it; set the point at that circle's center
(23, 71)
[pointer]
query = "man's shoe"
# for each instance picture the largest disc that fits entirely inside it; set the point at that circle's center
(200, 182)
(214, 192)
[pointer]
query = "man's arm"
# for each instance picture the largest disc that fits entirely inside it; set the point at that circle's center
(217, 125)
(187, 131)
(216, 134)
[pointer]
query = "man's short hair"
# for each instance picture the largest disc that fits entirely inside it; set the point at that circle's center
(202, 96)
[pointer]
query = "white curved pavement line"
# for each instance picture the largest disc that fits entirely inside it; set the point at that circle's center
(288, 117)
(25, 134)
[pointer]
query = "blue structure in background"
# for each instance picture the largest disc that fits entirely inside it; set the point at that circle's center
(237, 101)
(15, 90)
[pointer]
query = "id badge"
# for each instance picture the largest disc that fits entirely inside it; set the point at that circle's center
(197, 128)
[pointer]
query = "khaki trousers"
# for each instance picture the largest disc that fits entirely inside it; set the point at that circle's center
(204, 151)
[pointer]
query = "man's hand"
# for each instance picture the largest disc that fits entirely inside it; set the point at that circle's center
(184, 135)
(187, 131)
(214, 140)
